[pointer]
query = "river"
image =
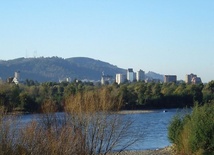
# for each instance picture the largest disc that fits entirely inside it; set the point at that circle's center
(150, 127)
(153, 129)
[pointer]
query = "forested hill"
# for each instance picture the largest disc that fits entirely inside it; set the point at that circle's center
(55, 68)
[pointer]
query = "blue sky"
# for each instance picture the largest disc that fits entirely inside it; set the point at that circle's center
(164, 36)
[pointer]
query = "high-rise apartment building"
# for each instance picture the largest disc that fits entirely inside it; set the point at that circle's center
(131, 76)
(140, 75)
(120, 78)
(188, 78)
(170, 78)
(196, 80)
(192, 78)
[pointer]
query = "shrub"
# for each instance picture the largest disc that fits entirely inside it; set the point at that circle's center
(174, 129)
(202, 128)
(194, 133)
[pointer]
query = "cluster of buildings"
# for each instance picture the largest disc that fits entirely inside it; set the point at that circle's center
(189, 79)
(132, 76)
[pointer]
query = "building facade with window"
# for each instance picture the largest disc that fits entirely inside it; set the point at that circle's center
(170, 78)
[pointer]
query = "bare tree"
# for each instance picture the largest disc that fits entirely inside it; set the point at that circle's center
(90, 126)
(103, 131)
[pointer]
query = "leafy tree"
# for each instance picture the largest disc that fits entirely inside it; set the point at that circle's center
(156, 90)
(28, 103)
(210, 86)
(148, 92)
(208, 93)
(140, 90)
(69, 90)
(123, 92)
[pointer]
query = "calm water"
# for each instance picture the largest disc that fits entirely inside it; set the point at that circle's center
(150, 128)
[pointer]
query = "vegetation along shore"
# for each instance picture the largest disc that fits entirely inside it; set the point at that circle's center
(88, 129)
(30, 96)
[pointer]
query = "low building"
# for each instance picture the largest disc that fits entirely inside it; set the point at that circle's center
(15, 80)
(67, 79)
(157, 81)
(106, 79)
(148, 80)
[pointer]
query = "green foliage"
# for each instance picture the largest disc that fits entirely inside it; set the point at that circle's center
(202, 126)
(137, 95)
(210, 86)
(194, 133)
(175, 128)
(208, 91)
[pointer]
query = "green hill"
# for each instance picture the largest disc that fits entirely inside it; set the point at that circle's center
(55, 68)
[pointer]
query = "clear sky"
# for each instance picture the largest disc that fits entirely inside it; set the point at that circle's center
(164, 36)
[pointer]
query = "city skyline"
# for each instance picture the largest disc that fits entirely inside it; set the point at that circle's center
(167, 37)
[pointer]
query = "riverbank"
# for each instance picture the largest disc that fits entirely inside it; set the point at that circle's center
(134, 111)
(163, 151)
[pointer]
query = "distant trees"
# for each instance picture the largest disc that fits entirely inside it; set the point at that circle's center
(158, 95)
(9, 96)
(30, 96)
(208, 92)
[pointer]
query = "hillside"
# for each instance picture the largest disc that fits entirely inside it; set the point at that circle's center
(154, 75)
(55, 68)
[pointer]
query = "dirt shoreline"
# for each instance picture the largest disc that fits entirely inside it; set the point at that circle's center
(134, 111)
(163, 151)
